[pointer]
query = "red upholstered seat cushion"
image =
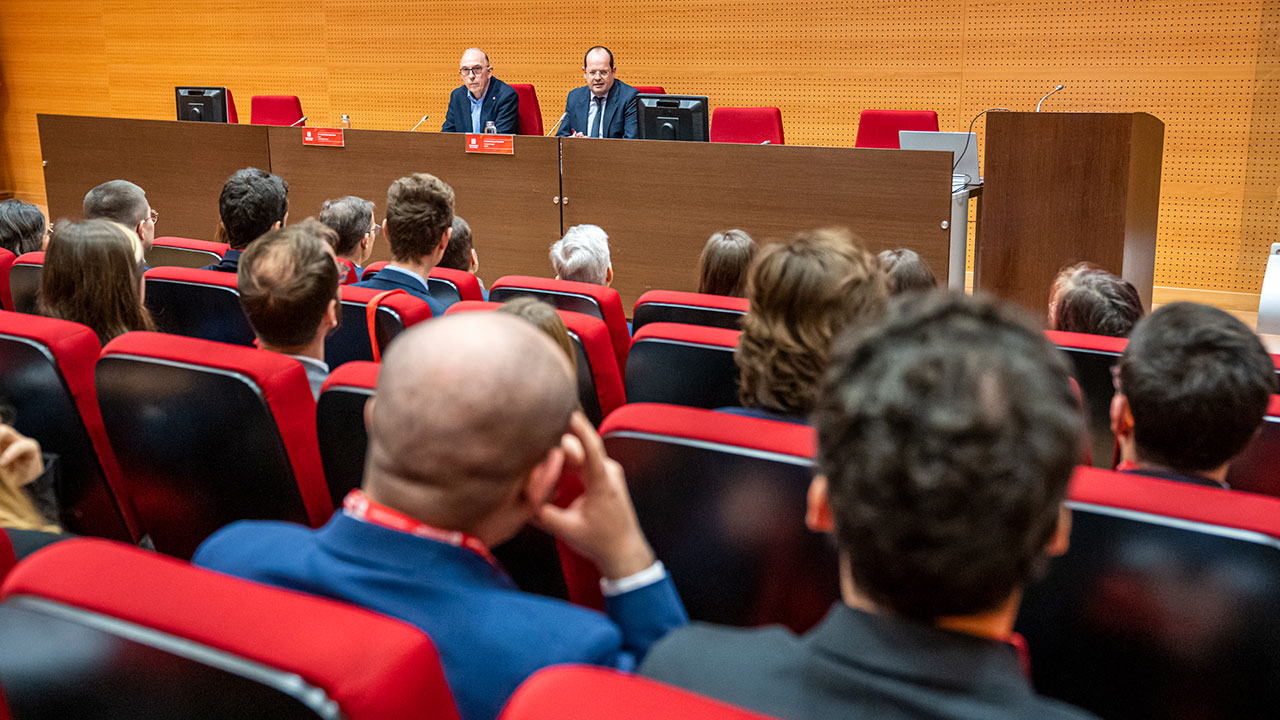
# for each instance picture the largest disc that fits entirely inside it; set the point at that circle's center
(754, 125)
(1085, 341)
(375, 667)
(31, 258)
(530, 112)
(606, 298)
(650, 89)
(358, 374)
(713, 427)
(6, 296)
(283, 382)
(274, 110)
(468, 285)
(7, 558)
(191, 244)
(879, 128)
(411, 310)
(692, 299)
(695, 334)
(194, 275)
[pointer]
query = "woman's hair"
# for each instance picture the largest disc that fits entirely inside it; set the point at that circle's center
(722, 266)
(545, 318)
(905, 271)
(1087, 299)
(802, 294)
(93, 276)
(21, 227)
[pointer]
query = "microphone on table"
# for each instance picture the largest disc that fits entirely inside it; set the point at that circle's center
(767, 142)
(299, 121)
(1046, 97)
(415, 127)
(556, 127)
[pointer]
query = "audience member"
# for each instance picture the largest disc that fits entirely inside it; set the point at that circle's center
(123, 202)
(252, 202)
(722, 266)
(461, 253)
(351, 219)
(605, 106)
(582, 255)
(93, 275)
(418, 225)
(474, 419)
(22, 227)
(21, 466)
(289, 291)
(905, 271)
(802, 293)
(1191, 391)
(481, 99)
(544, 317)
(1087, 299)
(946, 437)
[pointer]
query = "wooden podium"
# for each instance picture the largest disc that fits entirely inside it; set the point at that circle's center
(1060, 188)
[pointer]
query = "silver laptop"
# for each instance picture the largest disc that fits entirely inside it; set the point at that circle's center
(963, 147)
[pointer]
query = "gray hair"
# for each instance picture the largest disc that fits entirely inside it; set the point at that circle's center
(350, 217)
(582, 255)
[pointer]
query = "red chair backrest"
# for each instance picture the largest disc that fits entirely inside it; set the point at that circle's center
(370, 666)
(683, 365)
(340, 426)
(351, 340)
(602, 302)
(24, 281)
(1092, 357)
(576, 692)
(185, 252)
(7, 558)
(879, 128)
(754, 125)
(275, 110)
(1257, 467)
(530, 113)
(348, 269)
(650, 89)
(689, 308)
(372, 269)
(197, 303)
(232, 115)
(6, 261)
(208, 433)
(450, 286)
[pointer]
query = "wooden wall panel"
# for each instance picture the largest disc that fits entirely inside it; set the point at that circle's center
(1210, 69)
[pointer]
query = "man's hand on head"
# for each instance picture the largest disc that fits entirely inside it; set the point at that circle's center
(20, 459)
(601, 523)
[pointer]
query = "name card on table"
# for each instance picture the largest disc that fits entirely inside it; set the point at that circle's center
(323, 137)
(491, 144)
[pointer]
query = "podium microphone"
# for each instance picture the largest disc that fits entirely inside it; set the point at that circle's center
(1046, 97)
(299, 121)
(415, 127)
(556, 127)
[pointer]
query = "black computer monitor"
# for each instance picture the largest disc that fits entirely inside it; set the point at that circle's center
(674, 117)
(201, 104)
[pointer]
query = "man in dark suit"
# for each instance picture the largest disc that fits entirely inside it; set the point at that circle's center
(481, 99)
(1191, 390)
(605, 106)
(474, 421)
(252, 202)
(947, 433)
(418, 225)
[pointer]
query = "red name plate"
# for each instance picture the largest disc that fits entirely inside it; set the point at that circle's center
(323, 137)
(491, 144)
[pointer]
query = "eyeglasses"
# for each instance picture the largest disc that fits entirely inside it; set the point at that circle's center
(375, 229)
(473, 70)
(598, 73)
(154, 215)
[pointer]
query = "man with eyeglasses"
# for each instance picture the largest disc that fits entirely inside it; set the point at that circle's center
(605, 107)
(482, 99)
(126, 203)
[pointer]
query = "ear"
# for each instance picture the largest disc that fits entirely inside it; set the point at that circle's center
(1121, 416)
(475, 262)
(540, 484)
(1061, 538)
(278, 225)
(368, 413)
(331, 314)
(608, 276)
(818, 517)
(444, 240)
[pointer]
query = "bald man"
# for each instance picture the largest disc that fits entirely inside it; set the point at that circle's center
(482, 99)
(474, 420)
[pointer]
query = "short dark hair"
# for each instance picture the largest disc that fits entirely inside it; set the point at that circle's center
(1198, 382)
(286, 280)
(906, 271)
(1087, 299)
(350, 218)
(118, 200)
(458, 255)
(22, 227)
(947, 433)
(595, 48)
(251, 201)
(419, 210)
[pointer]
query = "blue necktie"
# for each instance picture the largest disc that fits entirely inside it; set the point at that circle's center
(595, 126)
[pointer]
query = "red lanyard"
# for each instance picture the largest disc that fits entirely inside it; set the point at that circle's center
(358, 505)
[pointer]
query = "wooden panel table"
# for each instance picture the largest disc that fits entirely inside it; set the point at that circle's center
(659, 201)
(181, 165)
(509, 200)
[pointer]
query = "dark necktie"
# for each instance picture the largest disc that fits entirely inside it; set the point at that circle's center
(595, 126)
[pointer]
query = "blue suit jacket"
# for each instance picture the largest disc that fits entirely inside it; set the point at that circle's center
(230, 262)
(401, 281)
(490, 635)
(501, 105)
(619, 112)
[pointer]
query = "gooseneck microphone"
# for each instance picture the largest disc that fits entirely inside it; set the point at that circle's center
(415, 127)
(299, 121)
(556, 127)
(1046, 97)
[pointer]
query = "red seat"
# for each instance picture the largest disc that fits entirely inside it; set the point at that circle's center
(46, 376)
(576, 692)
(105, 630)
(340, 426)
(24, 281)
(754, 125)
(197, 303)
(275, 110)
(7, 558)
(1257, 467)
(708, 487)
(185, 252)
(688, 308)
(450, 286)
(879, 128)
(1092, 357)
(602, 302)
(208, 433)
(351, 340)
(232, 116)
(6, 261)
(347, 271)
(650, 89)
(530, 113)
(373, 268)
(683, 365)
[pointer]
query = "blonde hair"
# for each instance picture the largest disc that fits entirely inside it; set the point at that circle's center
(17, 512)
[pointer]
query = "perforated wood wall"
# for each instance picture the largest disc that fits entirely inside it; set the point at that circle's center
(1209, 70)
